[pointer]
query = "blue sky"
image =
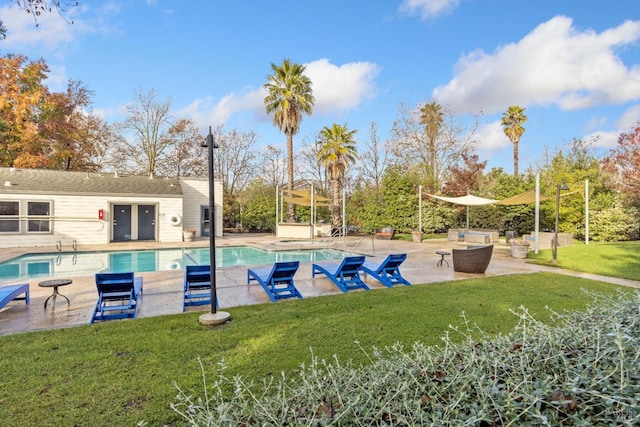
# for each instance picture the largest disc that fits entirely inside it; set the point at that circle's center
(573, 64)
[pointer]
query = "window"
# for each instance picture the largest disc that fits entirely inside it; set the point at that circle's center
(39, 217)
(9, 217)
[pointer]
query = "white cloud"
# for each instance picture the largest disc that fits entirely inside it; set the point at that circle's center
(596, 123)
(52, 30)
(627, 122)
(428, 8)
(341, 88)
(204, 111)
(602, 139)
(491, 137)
(116, 113)
(629, 119)
(57, 78)
(554, 64)
(336, 89)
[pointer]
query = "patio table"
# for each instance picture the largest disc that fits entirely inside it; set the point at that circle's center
(55, 283)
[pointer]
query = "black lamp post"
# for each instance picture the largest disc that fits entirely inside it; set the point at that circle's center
(214, 317)
(555, 238)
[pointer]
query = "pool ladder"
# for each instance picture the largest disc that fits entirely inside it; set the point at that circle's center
(74, 245)
(358, 243)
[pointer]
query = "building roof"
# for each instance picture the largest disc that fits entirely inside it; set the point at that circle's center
(42, 181)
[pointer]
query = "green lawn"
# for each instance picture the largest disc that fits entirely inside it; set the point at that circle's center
(617, 259)
(121, 372)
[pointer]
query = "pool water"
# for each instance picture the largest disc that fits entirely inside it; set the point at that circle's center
(69, 264)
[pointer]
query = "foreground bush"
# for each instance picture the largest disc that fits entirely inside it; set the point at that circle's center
(580, 371)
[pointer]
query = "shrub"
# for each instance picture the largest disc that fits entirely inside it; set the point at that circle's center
(617, 223)
(581, 370)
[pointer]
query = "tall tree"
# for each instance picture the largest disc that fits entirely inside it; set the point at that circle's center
(40, 128)
(146, 131)
(184, 155)
(513, 121)
(399, 204)
(235, 163)
(289, 96)
(63, 128)
(102, 139)
(373, 159)
(465, 178)
(235, 159)
(309, 167)
(271, 165)
(623, 164)
(337, 151)
(23, 95)
(409, 146)
(432, 117)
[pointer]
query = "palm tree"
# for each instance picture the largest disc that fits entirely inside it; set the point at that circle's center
(337, 151)
(432, 117)
(512, 123)
(290, 96)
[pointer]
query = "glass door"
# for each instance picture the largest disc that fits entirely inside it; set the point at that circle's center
(204, 221)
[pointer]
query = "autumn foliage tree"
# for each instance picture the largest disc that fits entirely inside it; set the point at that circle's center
(184, 155)
(623, 165)
(22, 97)
(63, 128)
(40, 128)
(466, 177)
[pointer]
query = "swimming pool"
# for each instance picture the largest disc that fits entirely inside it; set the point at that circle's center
(69, 264)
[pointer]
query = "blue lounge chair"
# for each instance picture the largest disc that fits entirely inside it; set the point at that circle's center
(10, 293)
(118, 296)
(388, 271)
(197, 286)
(345, 275)
(276, 281)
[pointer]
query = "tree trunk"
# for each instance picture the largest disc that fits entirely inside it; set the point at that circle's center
(434, 175)
(515, 158)
(291, 208)
(335, 209)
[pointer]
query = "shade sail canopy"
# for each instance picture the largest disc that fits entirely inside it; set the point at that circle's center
(522, 199)
(299, 193)
(305, 201)
(468, 200)
(471, 200)
(304, 198)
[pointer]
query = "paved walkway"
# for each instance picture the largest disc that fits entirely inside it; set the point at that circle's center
(162, 290)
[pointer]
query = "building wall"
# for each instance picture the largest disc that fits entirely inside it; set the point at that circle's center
(72, 219)
(75, 218)
(195, 195)
(167, 231)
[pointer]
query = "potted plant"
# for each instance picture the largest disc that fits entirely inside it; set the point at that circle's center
(188, 234)
(385, 233)
(519, 247)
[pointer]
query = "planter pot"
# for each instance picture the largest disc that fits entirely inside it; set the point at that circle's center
(416, 236)
(385, 233)
(188, 235)
(519, 251)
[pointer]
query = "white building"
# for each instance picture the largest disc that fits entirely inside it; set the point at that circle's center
(46, 208)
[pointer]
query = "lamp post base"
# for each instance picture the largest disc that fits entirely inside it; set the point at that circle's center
(217, 318)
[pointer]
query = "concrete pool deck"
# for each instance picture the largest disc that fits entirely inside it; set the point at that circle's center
(163, 290)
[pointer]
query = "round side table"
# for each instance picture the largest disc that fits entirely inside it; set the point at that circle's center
(442, 255)
(55, 283)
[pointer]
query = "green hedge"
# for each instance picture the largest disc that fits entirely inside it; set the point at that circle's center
(581, 370)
